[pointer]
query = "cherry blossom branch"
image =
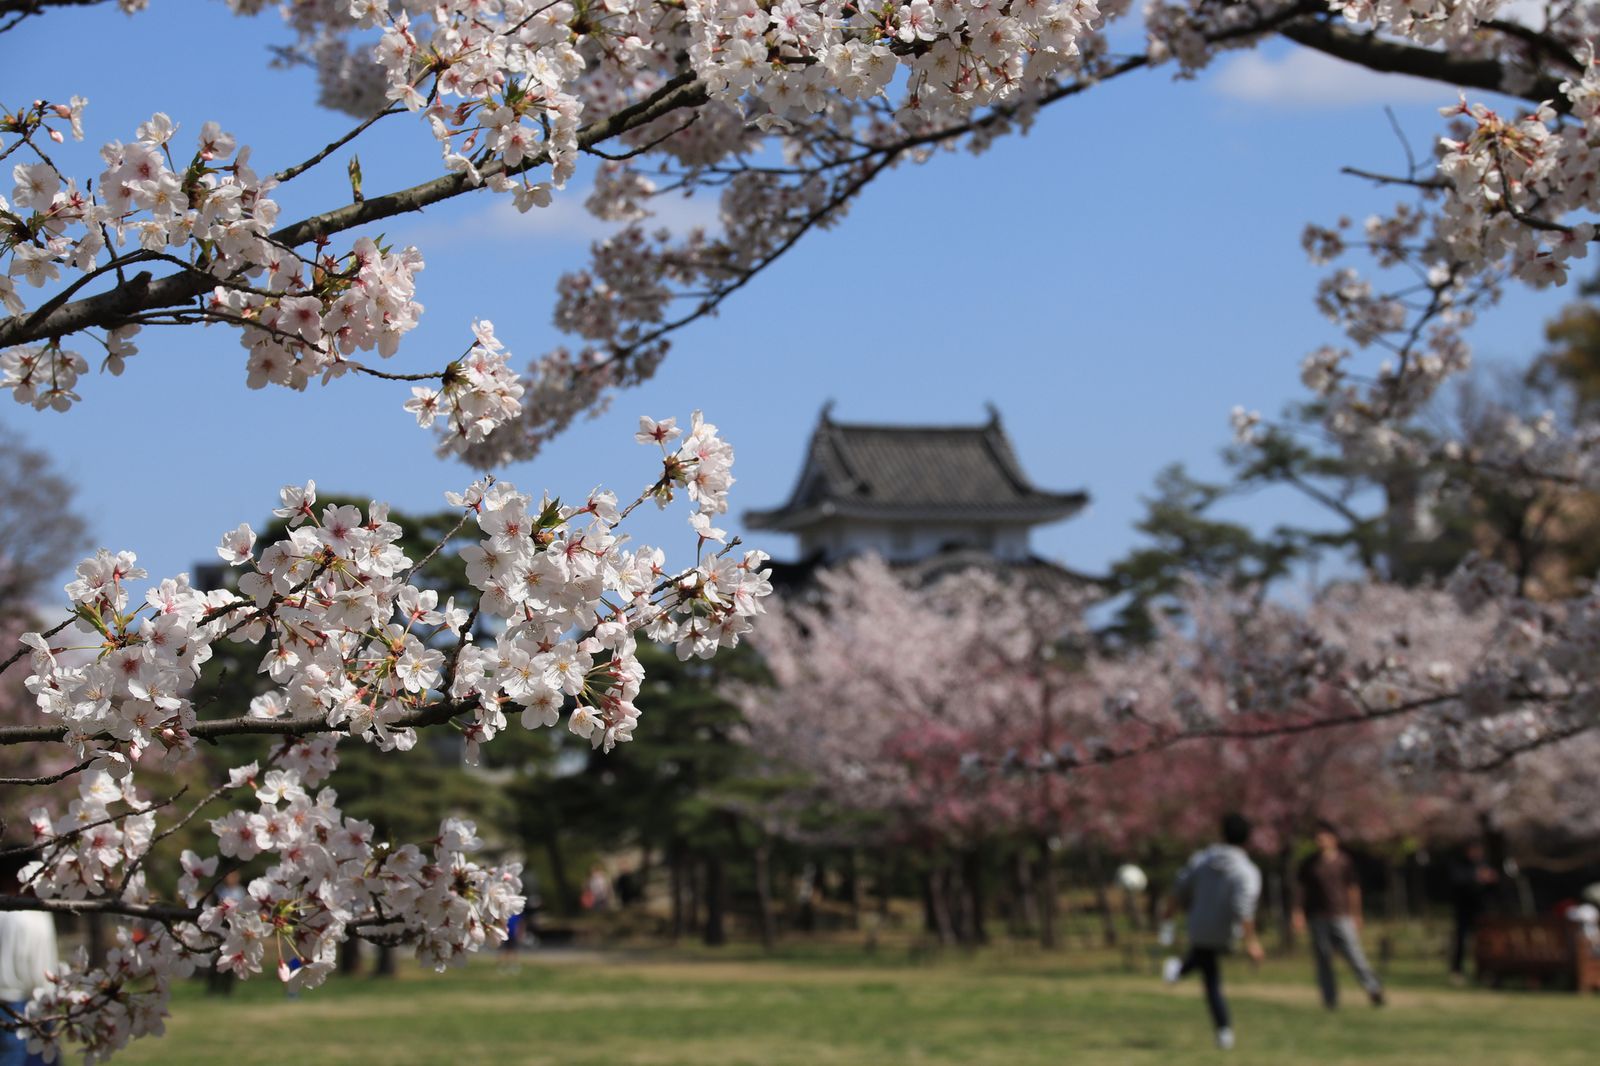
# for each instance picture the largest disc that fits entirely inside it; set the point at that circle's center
(155, 912)
(144, 292)
(48, 779)
(77, 831)
(290, 173)
(216, 793)
(1506, 755)
(1430, 184)
(454, 530)
(11, 659)
(1103, 753)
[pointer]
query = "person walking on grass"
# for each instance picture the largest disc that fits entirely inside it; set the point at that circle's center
(1218, 887)
(27, 959)
(1330, 904)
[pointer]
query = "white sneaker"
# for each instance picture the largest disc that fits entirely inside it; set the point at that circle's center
(1225, 1039)
(1172, 969)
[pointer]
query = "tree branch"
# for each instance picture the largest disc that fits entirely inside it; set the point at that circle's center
(144, 292)
(48, 779)
(154, 912)
(1390, 57)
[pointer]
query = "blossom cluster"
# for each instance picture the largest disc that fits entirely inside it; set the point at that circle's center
(216, 211)
(353, 647)
(477, 394)
(101, 836)
(331, 877)
(331, 872)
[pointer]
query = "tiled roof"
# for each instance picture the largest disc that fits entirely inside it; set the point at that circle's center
(914, 473)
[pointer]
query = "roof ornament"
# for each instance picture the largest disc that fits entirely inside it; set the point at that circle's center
(994, 413)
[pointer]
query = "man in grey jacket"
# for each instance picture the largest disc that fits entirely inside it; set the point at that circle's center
(1218, 887)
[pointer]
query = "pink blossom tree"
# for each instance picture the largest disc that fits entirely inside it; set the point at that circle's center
(897, 701)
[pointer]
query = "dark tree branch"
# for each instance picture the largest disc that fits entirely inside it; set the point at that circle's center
(18, 10)
(48, 779)
(24, 650)
(290, 173)
(1390, 57)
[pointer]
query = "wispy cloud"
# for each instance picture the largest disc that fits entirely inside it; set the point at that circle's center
(1302, 78)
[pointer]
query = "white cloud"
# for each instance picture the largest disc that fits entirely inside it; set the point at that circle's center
(1304, 78)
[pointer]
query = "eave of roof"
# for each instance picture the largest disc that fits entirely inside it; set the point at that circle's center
(1043, 508)
(917, 473)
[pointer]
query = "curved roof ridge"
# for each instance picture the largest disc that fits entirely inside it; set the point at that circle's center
(915, 473)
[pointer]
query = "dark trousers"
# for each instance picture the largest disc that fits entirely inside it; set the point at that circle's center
(1209, 962)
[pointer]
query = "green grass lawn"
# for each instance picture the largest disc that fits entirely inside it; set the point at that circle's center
(824, 1006)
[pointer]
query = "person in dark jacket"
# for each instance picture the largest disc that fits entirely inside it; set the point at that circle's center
(1329, 893)
(1218, 888)
(1472, 883)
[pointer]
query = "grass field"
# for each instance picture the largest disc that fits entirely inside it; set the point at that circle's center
(834, 1006)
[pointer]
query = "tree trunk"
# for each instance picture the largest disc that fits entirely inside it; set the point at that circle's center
(853, 872)
(1049, 896)
(697, 890)
(1416, 873)
(679, 889)
(885, 885)
(1102, 899)
(644, 872)
(1272, 899)
(1286, 898)
(350, 957)
(1130, 910)
(96, 929)
(972, 875)
(762, 857)
(716, 933)
(386, 964)
(937, 906)
(1023, 913)
(566, 898)
(1394, 891)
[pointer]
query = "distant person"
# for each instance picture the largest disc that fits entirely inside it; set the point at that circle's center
(1472, 884)
(1330, 904)
(629, 889)
(510, 948)
(27, 958)
(597, 890)
(1218, 888)
(220, 982)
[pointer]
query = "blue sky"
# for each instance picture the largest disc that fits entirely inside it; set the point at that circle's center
(1114, 282)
